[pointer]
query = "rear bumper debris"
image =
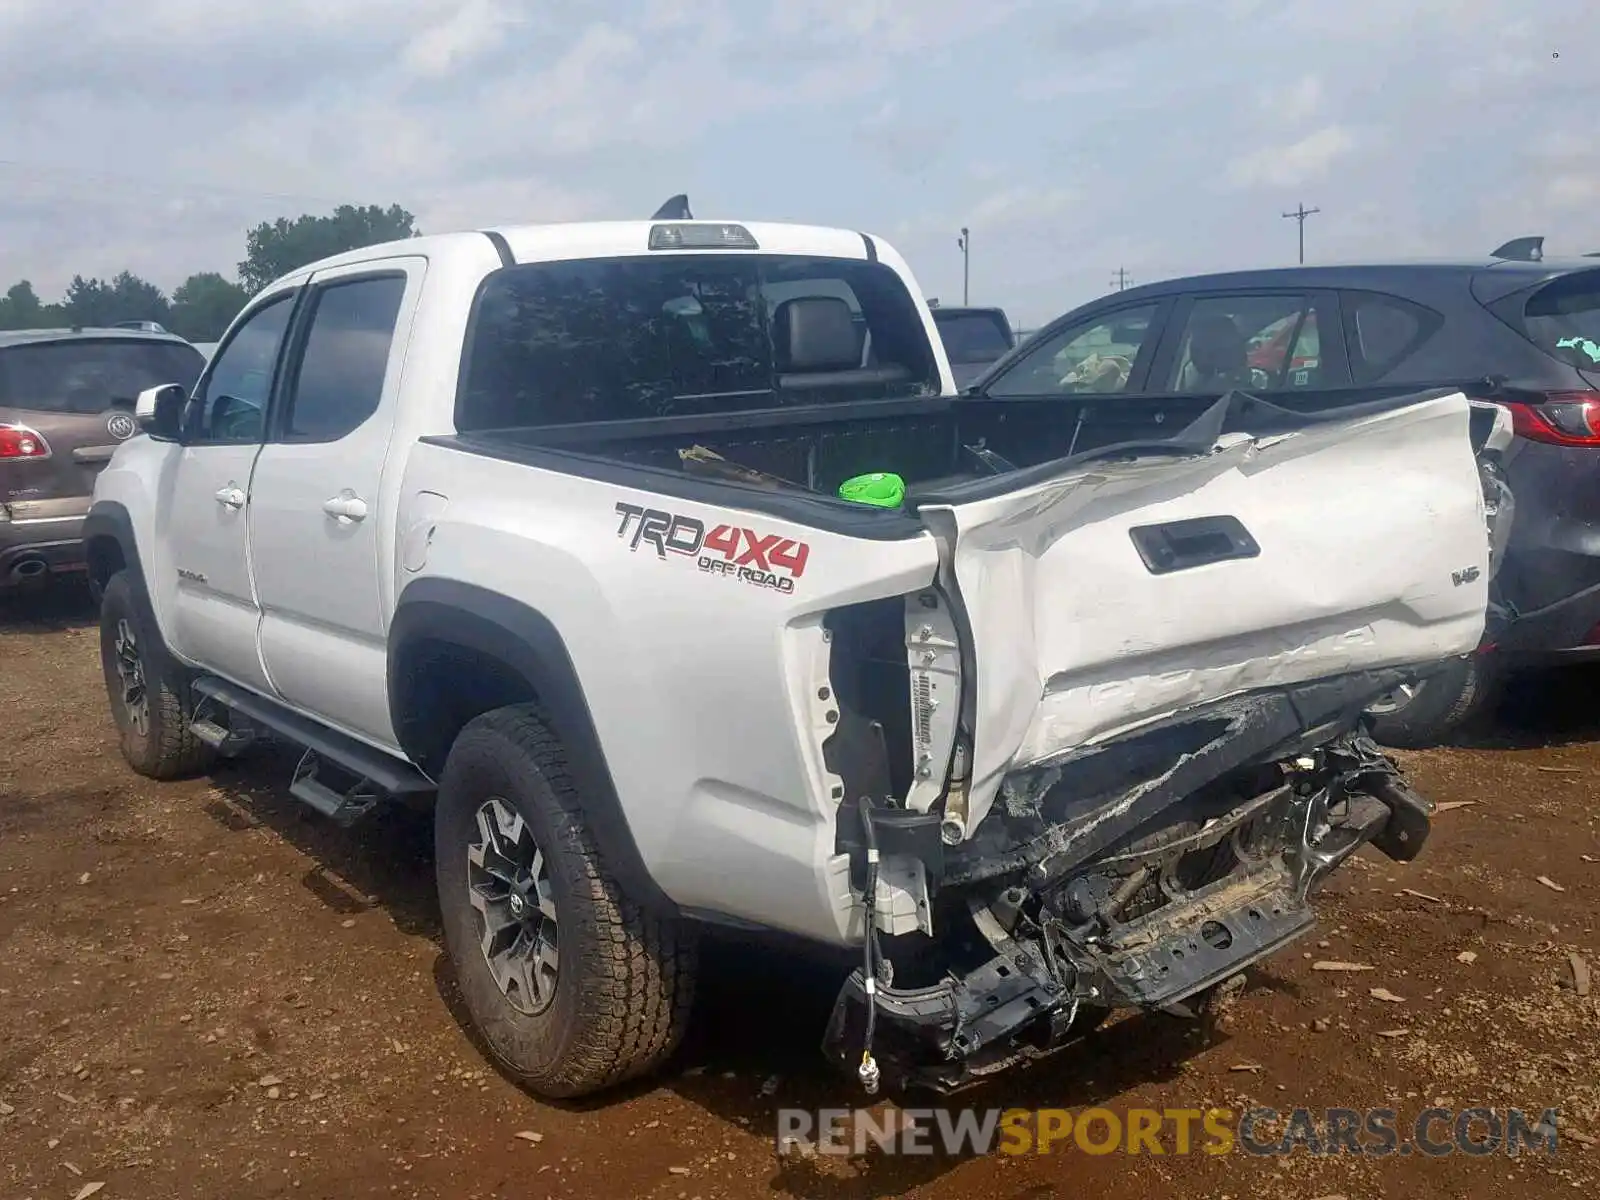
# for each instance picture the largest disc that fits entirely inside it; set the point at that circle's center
(1047, 976)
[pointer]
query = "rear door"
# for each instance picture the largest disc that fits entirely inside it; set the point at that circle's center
(318, 534)
(77, 394)
(1276, 342)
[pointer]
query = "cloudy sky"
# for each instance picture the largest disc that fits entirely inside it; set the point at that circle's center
(1073, 137)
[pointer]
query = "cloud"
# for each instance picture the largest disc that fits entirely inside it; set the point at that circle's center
(1296, 104)
(908, 142)
(1289, 165)
(1160, 136)
(458, 40)
(1023, 206)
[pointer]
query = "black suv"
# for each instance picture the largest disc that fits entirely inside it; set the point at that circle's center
(1524, 333)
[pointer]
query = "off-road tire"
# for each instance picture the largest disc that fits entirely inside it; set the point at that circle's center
(624, 976)
(165, 748)
(1443, 702)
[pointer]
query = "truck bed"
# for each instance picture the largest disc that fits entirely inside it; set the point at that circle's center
(946, 448)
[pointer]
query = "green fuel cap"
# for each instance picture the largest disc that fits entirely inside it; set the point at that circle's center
(883, 489)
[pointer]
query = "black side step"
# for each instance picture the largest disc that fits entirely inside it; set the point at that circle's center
(385, 772)
(343, 808)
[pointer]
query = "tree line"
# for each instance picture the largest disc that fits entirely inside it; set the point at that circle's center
(201, 307)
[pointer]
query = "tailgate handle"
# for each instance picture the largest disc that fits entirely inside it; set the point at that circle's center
(1182, 545)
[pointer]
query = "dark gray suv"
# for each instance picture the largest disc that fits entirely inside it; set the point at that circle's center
(1525, 334)
(66, 401)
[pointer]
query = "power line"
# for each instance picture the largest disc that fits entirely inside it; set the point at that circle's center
(1300, 214)
(1120, 280)
(176, 188)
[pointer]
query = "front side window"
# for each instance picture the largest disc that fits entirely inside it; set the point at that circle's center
(1093, 358)
(561, 343)
(338, 382)
(231, 405)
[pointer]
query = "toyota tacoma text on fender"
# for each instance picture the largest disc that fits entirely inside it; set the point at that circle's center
(663, 562)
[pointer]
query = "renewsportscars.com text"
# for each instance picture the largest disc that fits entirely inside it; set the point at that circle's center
(1373, 1132)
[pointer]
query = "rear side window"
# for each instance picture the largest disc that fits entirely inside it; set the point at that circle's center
(972, 337)
(1563, 318)
(90, 375)
(560, 343)
(1255, 343)
(1383, 331)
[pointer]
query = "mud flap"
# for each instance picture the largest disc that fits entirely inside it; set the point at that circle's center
(1410, 819)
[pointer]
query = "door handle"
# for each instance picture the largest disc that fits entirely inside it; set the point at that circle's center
(231, 496)
(345, 506)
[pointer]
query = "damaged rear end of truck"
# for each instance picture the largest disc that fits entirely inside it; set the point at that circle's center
(1042, 730)
(1109, 759)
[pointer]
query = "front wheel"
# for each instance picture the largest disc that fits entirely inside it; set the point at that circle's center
(1423, 714)
(574, 986)
(147, 690)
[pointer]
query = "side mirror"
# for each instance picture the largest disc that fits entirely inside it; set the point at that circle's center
(159, 411)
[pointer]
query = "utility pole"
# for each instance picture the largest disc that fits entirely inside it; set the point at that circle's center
(1120, 280)
(1300, 214)
(965, 242)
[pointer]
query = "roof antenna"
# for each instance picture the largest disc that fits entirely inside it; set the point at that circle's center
(675, 209)
(1522, 249)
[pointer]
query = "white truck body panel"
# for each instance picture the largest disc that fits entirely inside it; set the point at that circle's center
(703, 689)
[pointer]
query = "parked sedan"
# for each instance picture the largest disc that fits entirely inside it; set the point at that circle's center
(1522, 333)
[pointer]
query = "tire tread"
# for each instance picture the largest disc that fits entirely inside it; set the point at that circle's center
(639, 989)
(172, 751)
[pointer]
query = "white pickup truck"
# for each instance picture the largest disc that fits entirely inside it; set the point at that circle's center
(662, 560)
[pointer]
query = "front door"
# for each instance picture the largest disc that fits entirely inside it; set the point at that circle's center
(1080, 379)
(204, 506)
(317, 528)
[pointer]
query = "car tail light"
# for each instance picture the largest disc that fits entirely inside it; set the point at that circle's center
(1561, 419)
(18, 442)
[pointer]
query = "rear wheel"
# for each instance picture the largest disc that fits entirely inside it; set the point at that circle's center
(573, 985)
(1423, 714)
(147, 689)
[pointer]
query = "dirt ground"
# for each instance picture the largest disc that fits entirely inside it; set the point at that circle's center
(207, 991)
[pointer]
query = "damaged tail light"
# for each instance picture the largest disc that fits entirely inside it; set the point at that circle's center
(1561, 419)
(19, 442)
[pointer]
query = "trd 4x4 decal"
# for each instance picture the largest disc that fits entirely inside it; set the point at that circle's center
(763, 560)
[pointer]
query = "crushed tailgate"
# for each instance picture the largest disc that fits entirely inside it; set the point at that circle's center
(1121, 590)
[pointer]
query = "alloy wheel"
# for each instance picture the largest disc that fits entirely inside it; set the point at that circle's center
(130, 672)
(508, 886)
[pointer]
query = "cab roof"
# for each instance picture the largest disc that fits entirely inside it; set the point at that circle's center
(605, 239)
